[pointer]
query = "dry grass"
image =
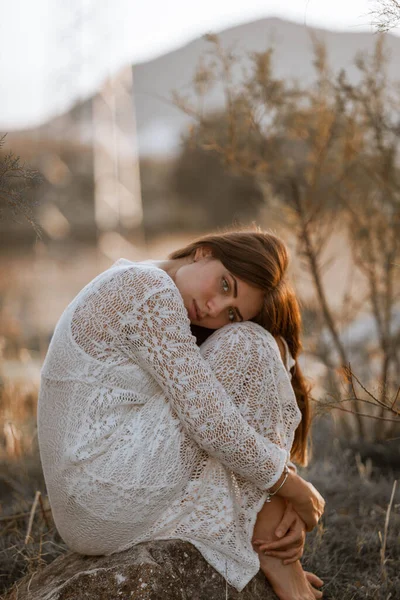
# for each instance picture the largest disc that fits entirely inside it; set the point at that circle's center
(23, 548)
(18, 420)
(356, 548)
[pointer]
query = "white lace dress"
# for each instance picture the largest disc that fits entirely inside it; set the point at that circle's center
(138, 438)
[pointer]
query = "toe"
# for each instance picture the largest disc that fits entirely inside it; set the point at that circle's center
(313, 579)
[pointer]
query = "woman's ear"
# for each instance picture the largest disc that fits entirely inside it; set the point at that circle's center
(201, 252)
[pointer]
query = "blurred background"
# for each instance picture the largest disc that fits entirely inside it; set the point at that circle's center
(127, 131)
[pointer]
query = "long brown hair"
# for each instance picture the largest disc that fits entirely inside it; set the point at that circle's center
(261, 259)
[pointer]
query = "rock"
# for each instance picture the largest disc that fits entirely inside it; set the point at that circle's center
(159, 570)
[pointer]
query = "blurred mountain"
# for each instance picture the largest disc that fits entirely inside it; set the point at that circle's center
(68, 149)
(160, 123)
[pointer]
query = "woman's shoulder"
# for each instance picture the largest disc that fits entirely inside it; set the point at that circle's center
(143, 266)
(144, 274)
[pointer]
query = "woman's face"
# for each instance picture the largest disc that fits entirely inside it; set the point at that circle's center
(213, 296)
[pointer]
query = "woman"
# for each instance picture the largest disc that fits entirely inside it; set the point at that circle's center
(138, 438)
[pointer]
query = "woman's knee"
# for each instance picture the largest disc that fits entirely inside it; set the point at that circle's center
(234, 345)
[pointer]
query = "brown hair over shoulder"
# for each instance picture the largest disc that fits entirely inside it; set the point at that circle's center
(261, 258)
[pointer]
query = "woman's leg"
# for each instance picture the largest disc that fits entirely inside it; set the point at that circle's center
(288, 581)
(240, 348)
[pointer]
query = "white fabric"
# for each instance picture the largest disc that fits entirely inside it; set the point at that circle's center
(289, 360)
(138, 438)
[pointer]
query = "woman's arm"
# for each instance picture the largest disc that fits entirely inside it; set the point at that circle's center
(245, 359)
(303, 496)
(157, 335)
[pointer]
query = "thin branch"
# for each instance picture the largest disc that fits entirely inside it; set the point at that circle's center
(31, 516)
(385, 533)
(353, 412)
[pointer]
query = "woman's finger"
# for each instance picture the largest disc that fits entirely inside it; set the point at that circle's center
(282, 548)
(280, 551)
(294, 538)
(285, 544)
(261, 543)
(283, 554)
(290, 561)
(289, 516)
(313, 579)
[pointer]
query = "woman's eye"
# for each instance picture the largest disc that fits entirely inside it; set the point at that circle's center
(232, 316)
(225, 285)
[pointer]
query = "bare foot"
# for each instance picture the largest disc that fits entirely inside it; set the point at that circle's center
(313, 579)
(289, 582)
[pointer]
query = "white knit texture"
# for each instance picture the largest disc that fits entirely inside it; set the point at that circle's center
(144, 436)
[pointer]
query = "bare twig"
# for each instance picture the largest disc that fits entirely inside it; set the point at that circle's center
(376, 400)
(395, 398)
(31, 516)
(366, 415)
(385, 533)
(44, 512)
(17, 516)
(387, 15)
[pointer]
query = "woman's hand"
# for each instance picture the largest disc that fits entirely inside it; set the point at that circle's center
(292, 533)
(305, 499)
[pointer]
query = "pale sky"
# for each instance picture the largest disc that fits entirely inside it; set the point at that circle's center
(53, 52)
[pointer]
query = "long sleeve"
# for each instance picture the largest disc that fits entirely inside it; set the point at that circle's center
(156, 334)
(245, 358)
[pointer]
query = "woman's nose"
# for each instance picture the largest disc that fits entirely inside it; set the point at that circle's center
(216, 305)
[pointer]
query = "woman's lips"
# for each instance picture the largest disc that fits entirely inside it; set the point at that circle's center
(199, 317)
(193, 316)
(194, 312)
